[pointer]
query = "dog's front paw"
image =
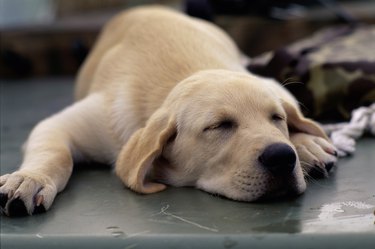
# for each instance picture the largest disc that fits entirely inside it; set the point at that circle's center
(317, 155)
(25, 193)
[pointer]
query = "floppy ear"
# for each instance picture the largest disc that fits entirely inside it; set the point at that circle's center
(144, 146)
(297, 122)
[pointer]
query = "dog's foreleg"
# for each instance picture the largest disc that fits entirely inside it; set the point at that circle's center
(48, 159)
(317, 155)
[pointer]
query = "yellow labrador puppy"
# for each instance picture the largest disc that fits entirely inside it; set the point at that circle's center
(166, 98)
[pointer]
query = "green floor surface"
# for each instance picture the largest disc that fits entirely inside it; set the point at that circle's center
(96, 211)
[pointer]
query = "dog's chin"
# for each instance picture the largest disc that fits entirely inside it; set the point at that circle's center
(284, 193)
(281, 194)
(285, 189)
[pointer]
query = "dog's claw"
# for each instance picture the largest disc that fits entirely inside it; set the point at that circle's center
(39, 209)
(335, 153)
(17, 208)
(22, 194)
(329, 166)
(3, 200)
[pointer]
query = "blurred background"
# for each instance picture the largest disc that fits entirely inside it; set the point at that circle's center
(51, 38)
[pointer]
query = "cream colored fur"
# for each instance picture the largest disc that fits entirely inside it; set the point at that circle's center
(150, 98)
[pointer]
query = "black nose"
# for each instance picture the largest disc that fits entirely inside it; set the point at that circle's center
(278, 158)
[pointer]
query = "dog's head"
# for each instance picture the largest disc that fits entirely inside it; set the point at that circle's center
(223, 132)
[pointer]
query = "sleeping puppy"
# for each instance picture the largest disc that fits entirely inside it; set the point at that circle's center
(166, 98)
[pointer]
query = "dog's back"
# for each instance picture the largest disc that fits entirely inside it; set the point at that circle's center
(154, 48)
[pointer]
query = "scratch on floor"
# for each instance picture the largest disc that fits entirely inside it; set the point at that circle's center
(39, 236)
(164, 211)
(131, 246)
(137, 234)
(162, 221)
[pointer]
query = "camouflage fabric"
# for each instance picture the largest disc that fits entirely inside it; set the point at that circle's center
(330, 73)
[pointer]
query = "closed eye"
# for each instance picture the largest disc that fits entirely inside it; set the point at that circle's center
(224, 125)
(277, 117)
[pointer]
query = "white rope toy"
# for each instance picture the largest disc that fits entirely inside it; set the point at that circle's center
(343, 135)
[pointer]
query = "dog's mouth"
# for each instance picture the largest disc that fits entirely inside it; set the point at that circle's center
(270, 188)
(282, 188)
(283, 193)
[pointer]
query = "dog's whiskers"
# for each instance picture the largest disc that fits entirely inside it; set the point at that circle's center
(306, 166)
(286, 82)
(308, 177)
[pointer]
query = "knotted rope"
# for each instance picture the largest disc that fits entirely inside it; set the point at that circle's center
(344, 135)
